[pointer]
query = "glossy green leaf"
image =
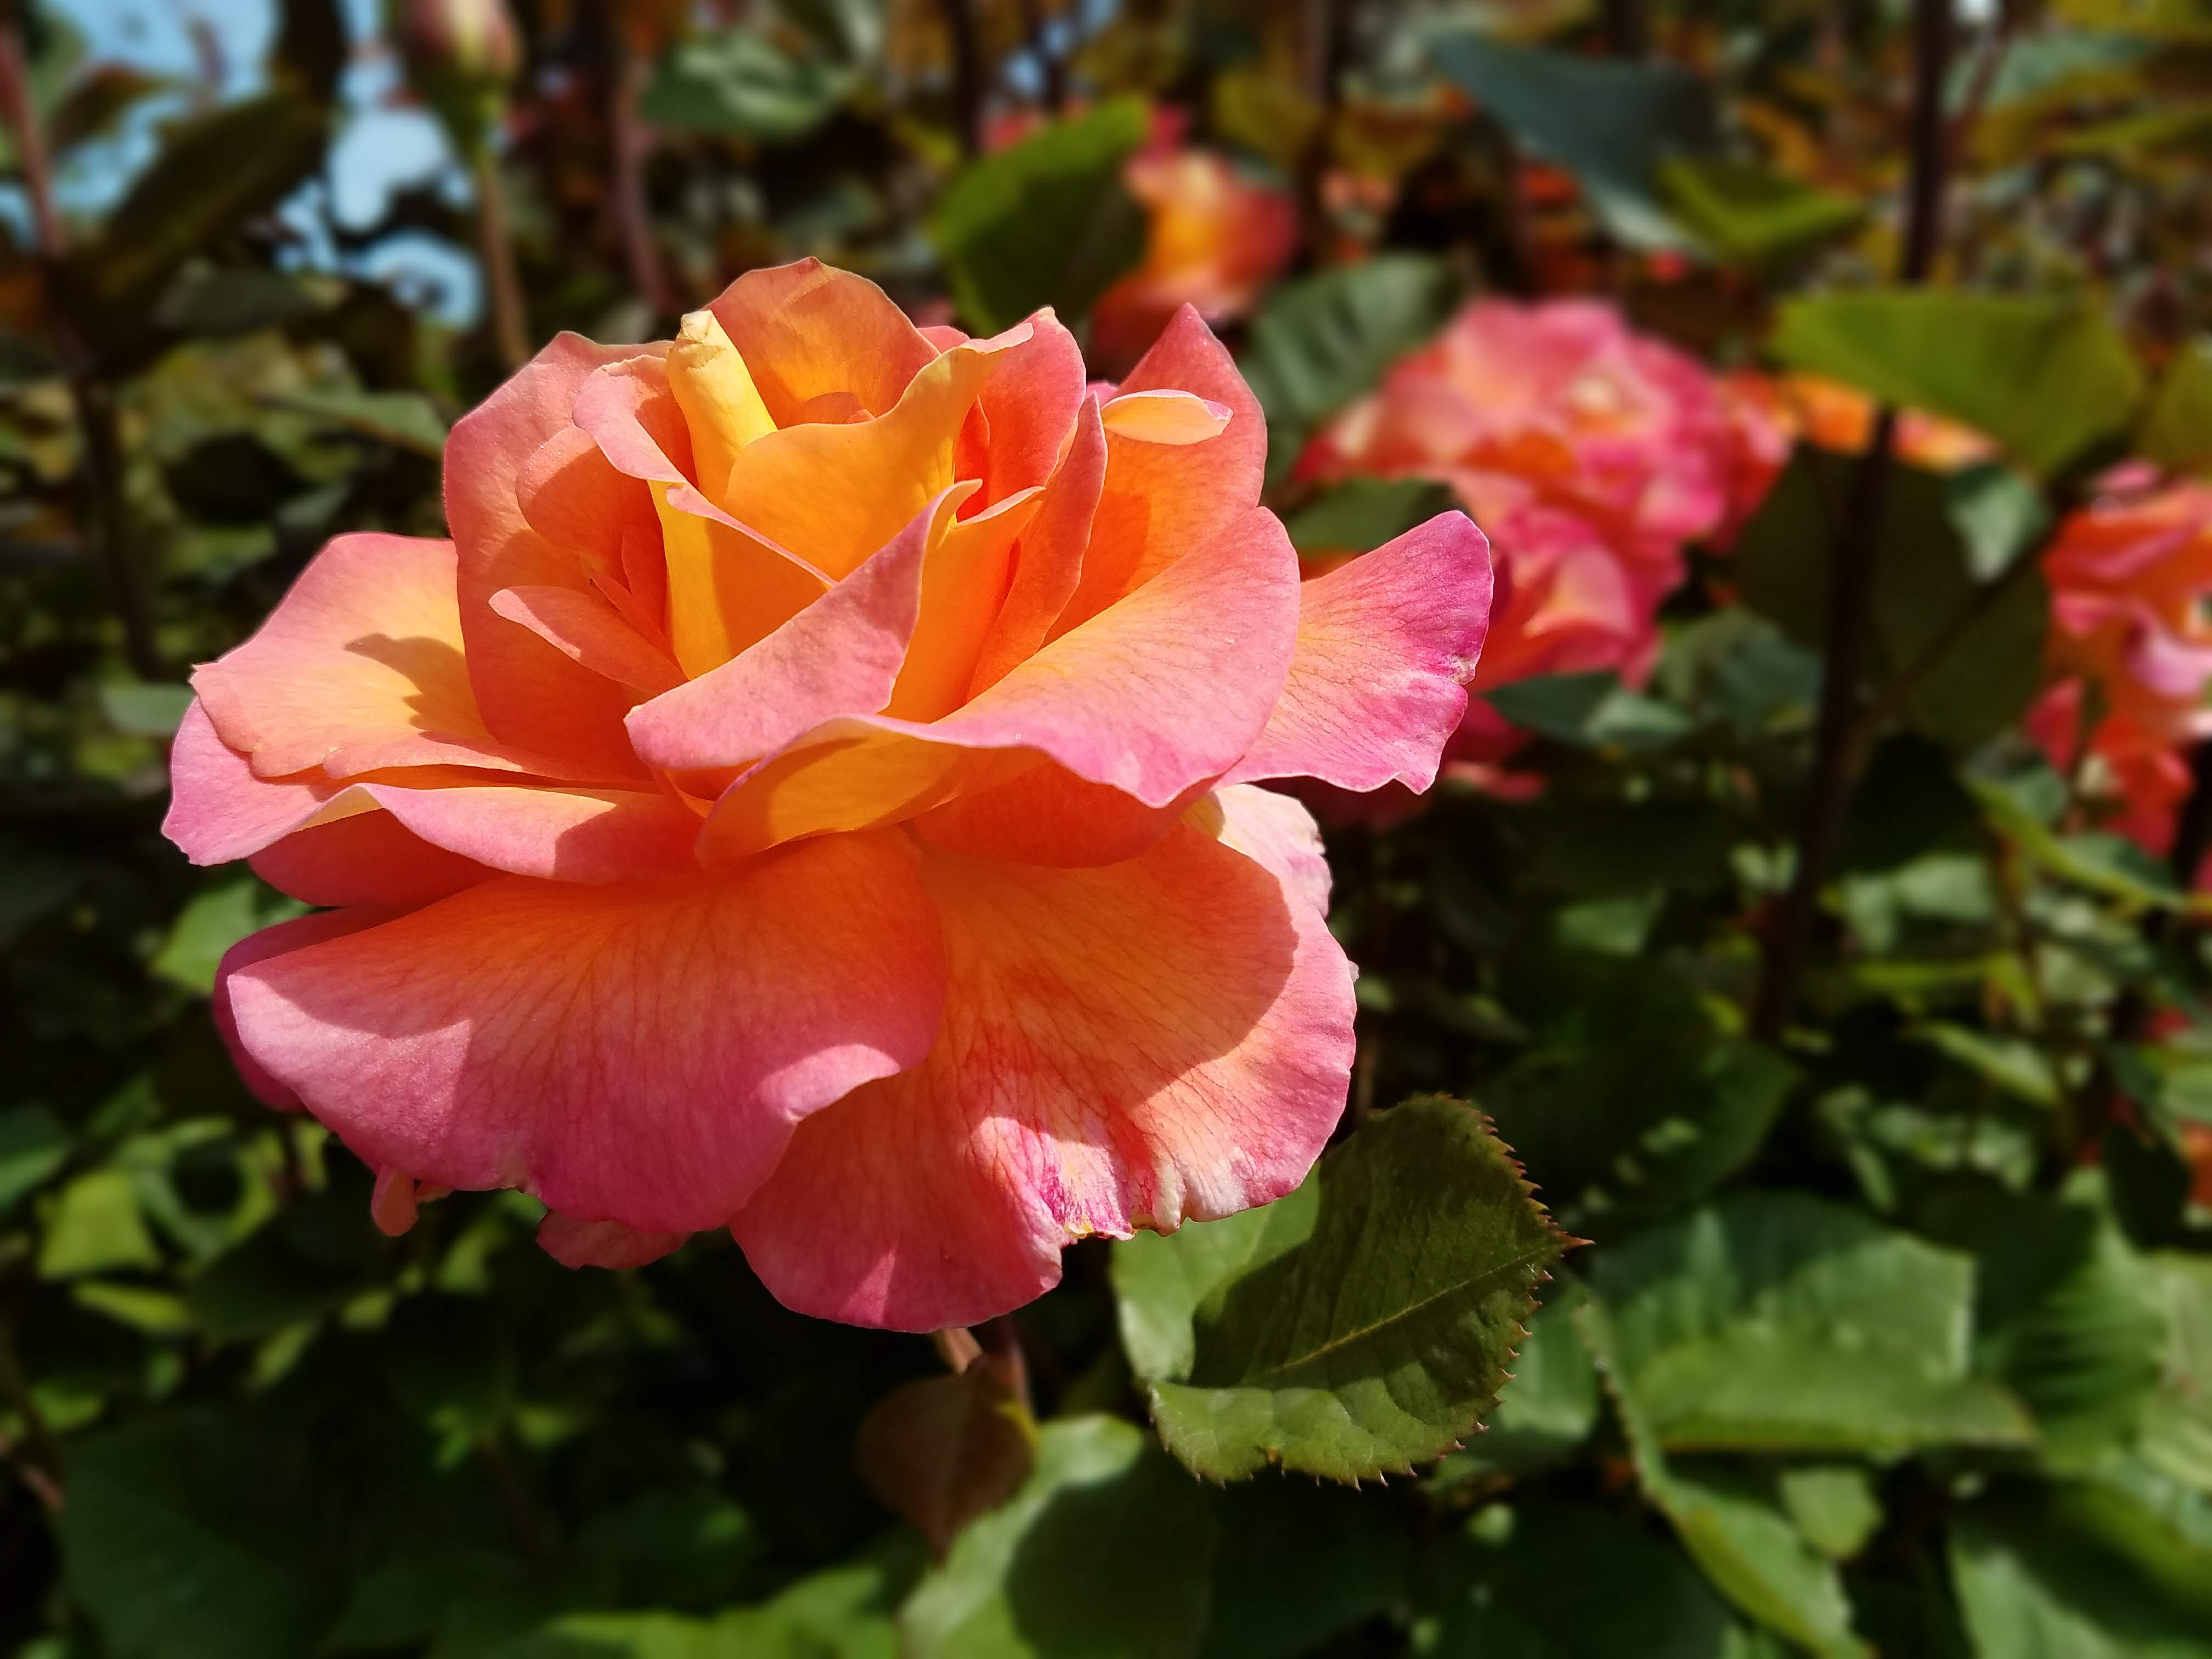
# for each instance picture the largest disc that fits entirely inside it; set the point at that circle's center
(1965, 656)
(195, 1535)
(1591, 711)
(1325, 339)
(1045, 222)
(1773, 1322)
(1608, 120)
(1746, 212)
(2029, 1584)
(1629, 1106)
(1362, 1325)
(214, 921)
(1757, 1557)
(1300, 1562)
(32, 1145)
(2177, 433)
(740, 83)
(1551, 1580)
(2046, 377)
(1360, 515)
(1108, 1549)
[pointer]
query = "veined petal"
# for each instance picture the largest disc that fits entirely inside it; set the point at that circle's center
(633, 1053)
(1386, 646)
(363, 857)
(360, 667)
(1275, 832)
(1163, 693)
(531, 693)
(1161, 1039)
(1162, 500)
(274, 941)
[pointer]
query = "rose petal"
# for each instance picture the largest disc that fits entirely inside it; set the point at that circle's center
(574, 1243)
(841, 655)
(360, 667)
(1049, 561)
(1156, 1041)
(637, 1053)
(808, 330)
(1278, 833)
(531, 693)
(588, 630)
(1162, 693)
(1162, 501)
(1386, 646)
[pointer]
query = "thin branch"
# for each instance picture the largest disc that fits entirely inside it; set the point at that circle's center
(27, 135)
(37, 1457)
(1789, 932)
(510, 324)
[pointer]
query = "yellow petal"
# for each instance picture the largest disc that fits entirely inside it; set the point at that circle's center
(720, 404)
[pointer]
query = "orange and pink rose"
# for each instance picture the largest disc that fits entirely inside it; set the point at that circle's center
(814, 792)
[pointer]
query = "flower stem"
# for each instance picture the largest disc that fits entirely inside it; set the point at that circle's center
(1789, 933)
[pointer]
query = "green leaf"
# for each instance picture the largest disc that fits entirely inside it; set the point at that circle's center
(739, 83)
(1590, 711)
(1299, 1563)
(194, 1536)
(1750, 213)
(404, 419)
(2177, 1426)
(1361, 1325)
(1547, 1413)
(214, 921)
(1325, 339)
(2177, 433)
(32, 1145)
(2047, 377)
(2029, 1584)
(1833, 1504)
(1550, 1580)
(1108, 1549)
(312, 1257)
(1776, 1323)
(1608, 120)
(140, 710)
(2013, 1064)
(1045, 222)
(941, 1450)
(1756, 1557)
(1360, 515)
(214, 171)
(2187, 21)
(96, 1225)
(1970, 650)
(1629, 1106)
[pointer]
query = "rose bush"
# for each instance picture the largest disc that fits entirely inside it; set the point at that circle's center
(814, 792)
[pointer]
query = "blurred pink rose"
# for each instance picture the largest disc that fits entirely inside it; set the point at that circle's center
(1589, 454)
